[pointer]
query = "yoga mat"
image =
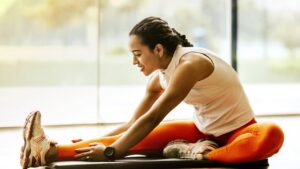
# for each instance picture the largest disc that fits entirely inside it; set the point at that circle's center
(154, 163)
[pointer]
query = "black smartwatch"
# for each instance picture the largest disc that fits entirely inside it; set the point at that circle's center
(109, 153)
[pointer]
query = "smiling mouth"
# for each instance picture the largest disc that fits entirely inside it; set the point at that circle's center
(141, 68)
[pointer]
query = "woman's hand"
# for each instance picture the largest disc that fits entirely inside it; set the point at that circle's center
(92, 153)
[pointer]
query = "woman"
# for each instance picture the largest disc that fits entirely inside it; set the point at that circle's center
(179, 72)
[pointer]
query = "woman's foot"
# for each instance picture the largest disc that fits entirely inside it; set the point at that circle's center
(36, 144)
(186, 150)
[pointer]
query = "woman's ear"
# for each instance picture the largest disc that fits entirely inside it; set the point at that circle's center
(159, 50)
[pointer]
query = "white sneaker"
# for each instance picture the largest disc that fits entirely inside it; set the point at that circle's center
(186, 150)
(36, 144)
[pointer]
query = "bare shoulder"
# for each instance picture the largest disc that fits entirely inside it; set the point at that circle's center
(196, 58)
(197, 64)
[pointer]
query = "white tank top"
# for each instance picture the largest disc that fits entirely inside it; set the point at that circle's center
(220, 101)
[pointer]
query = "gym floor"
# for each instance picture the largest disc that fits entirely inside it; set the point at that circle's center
(11, 141)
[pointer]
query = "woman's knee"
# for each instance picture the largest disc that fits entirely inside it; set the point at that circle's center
(273, 131)
(272, 137)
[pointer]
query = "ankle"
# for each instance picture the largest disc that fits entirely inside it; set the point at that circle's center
(51, 155)
(205, 155)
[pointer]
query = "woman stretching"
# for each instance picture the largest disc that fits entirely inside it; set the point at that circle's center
(179, 72)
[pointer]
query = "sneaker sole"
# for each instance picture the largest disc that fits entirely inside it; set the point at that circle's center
(177, 146)
(27, 134)
(182, 149)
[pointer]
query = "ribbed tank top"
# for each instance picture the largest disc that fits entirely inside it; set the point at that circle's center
(220, 101)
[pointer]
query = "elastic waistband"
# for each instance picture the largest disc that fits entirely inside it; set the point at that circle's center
(223, 138)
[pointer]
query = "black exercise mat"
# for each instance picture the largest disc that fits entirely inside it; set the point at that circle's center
(155, 163)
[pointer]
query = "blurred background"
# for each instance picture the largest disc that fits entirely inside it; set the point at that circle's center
(70, 59)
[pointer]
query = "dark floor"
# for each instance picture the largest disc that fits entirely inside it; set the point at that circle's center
(11, 141)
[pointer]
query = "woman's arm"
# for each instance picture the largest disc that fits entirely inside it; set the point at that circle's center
(190, 70)
(153, 91)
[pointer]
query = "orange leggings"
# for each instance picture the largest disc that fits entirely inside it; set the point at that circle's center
(251, 142)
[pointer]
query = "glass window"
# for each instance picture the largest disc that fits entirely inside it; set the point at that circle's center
(121, 83)
(269, 54)
(71, 60)
(47, 61)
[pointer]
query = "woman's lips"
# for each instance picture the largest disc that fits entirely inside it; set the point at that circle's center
(141, 68)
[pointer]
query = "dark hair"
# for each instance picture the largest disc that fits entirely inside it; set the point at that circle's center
(153, 30)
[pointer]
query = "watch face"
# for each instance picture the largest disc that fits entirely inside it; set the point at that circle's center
(109, 152)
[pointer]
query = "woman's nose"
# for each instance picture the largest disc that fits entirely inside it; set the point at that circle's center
(134, 61)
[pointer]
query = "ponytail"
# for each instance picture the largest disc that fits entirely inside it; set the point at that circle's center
(183, 39)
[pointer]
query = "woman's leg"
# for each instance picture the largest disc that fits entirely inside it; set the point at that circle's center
(255, 142)
(154, 142)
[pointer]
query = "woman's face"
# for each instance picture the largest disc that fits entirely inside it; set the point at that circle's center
(143, 57)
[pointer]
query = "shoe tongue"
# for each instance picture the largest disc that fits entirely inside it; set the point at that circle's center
(38, 132)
